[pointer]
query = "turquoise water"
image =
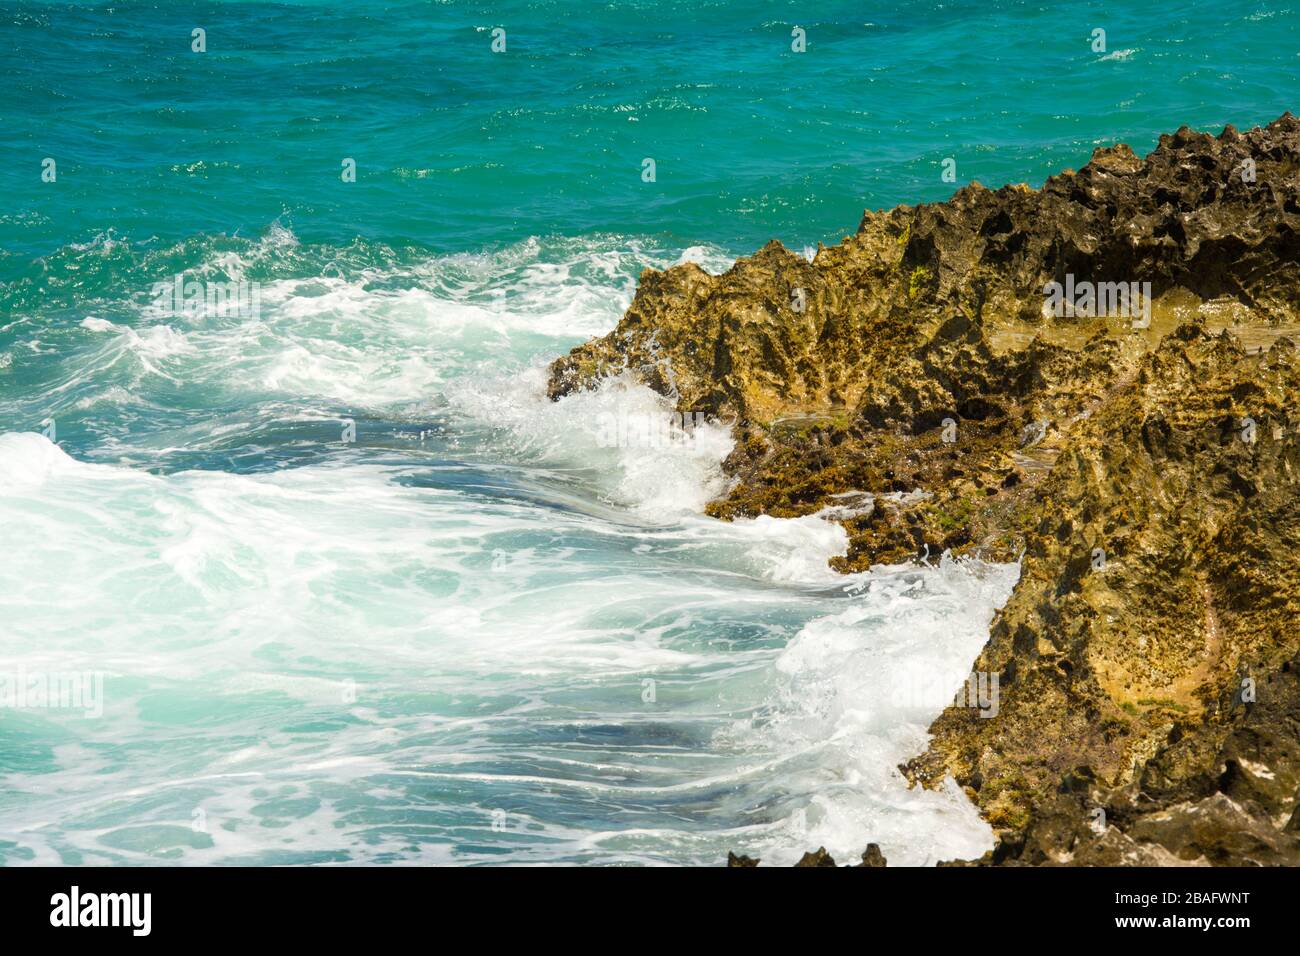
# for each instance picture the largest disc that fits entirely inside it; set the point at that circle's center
(472, 631)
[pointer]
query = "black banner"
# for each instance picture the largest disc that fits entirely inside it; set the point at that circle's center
(337, 905)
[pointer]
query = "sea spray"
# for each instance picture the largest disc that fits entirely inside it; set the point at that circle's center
(458, 630)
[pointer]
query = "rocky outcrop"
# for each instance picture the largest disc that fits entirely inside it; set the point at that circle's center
(1146, 657)
(872, 858)
(1101, 376)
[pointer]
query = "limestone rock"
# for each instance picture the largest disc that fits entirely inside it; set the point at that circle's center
(873, 857)
(842, 373)
(1141, 459)
(818, 858)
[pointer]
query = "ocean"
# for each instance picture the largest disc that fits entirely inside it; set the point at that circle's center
(330, 579)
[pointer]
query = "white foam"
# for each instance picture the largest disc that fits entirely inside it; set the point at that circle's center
(847, 716)
(659, 473)
(389, 337)
(343, 627)
(28, 460)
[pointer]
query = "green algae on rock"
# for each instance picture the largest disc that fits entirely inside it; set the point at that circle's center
(1144, 462)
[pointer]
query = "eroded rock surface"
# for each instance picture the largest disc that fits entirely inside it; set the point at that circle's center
(1147, 657)
(872, 858)
(913, 383)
